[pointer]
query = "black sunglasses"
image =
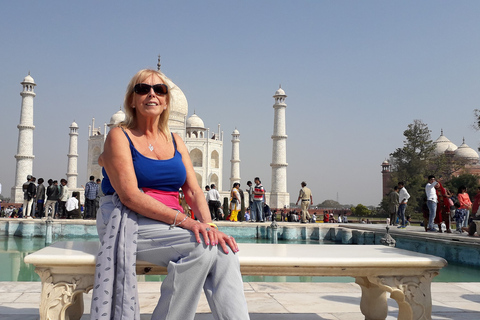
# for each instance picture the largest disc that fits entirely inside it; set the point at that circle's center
(143, 88)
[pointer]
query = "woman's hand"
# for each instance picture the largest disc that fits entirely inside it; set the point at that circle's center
(210, 235)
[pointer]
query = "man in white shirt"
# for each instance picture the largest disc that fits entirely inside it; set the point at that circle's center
(431, 192)
(213, 202)
(403, 197)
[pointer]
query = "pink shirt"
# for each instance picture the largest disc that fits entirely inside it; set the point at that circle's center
(464, 200)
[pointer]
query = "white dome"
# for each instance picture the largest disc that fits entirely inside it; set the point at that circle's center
(465, 152)
(235, 131)
(442, 144)
(116, 118)
(28, 79)
(74, 125)
(385, 162)
(280, 92)
(178, 104)
(195, 122)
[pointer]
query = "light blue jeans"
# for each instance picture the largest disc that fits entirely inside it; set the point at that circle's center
(432, 208)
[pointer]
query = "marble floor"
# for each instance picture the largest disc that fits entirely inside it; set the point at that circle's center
(279, 301)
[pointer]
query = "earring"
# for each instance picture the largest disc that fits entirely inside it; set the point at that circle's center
(133, 107)
(165, 108)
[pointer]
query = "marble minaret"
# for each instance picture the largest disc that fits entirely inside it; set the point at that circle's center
(72, 155)
(235, 160)
(279, 196)
(24, 154)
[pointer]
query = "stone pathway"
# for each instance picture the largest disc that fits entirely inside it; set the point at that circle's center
(268, 301)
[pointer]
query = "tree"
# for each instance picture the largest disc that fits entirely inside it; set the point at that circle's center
(329, 204)
(468, 180)
(360, 211)
(410, 163)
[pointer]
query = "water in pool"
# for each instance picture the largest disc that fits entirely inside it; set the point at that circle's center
(14, 249)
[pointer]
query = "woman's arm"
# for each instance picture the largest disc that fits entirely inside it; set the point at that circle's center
(196, 200)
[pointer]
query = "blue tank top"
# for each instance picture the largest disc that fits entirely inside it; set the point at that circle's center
(164, 175)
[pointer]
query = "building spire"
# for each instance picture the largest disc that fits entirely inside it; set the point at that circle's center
(158, 63)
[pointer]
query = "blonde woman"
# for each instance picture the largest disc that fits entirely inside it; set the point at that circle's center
(144, 166)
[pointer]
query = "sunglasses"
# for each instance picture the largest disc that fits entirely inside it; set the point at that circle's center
(143, 88)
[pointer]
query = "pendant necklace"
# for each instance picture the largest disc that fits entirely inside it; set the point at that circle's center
(150, 145)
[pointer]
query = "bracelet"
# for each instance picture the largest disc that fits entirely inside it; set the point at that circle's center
(186, 217)
(173, 225)
(212, 225)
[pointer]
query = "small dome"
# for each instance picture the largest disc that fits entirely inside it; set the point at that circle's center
(280, 92)
(28, 79)
(74, 125)
(385, 162)
(465, 152)
(118, 117)
(194, 121)
(235, 131)
(442, 144)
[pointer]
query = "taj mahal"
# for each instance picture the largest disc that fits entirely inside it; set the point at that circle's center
(204, 145)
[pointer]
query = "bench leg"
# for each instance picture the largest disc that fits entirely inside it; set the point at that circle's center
(63, 300)
(373, 303)
(412, 293)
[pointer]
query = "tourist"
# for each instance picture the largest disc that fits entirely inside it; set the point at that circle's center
(250, 194)
(52, 198)
(71, 207)
(62, 201)
(463, 207)
(393, 205)
(305, 195)
(235, 202)
(258, 198)
(403, 197)
(214, 202)
(99, 195)
(40, 196)
(432, 199)
(242, 203)
(29, 193)
(442, 217)
(476, 203)
(144, 167)
(91, 193)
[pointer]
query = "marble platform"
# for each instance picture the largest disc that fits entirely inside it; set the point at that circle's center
(268, 301)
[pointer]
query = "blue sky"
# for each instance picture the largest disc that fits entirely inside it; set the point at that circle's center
(356, 73)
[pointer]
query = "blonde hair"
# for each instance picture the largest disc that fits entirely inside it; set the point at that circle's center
(130, 113)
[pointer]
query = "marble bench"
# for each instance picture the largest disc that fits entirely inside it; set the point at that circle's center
(66, 270)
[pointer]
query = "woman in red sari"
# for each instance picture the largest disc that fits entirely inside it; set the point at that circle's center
(443, 208)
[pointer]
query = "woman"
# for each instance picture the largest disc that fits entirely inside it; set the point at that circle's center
(144, 167)
(462, 213)
(443, 208)
(235, 202)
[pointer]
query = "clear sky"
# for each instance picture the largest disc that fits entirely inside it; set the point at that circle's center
(356, 73)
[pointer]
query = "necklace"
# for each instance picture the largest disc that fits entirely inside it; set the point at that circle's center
(150, 146)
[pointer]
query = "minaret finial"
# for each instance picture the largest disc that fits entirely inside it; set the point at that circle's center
(280, 86)
(158, 63)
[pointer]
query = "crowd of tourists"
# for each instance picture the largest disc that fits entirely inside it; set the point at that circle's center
(440, 208)
(55, 200)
